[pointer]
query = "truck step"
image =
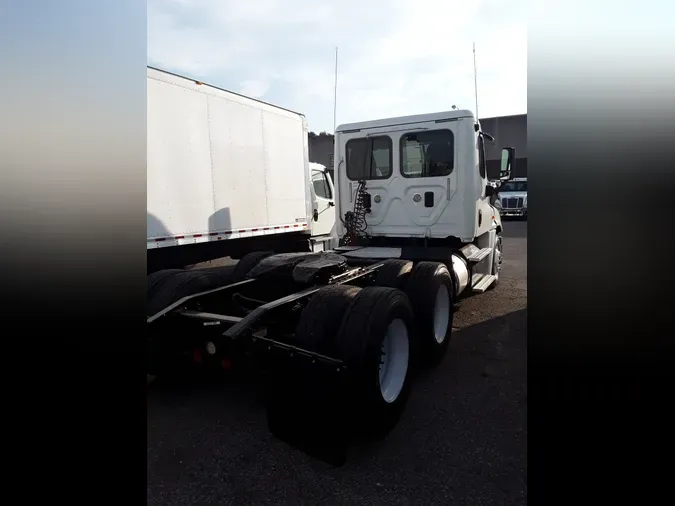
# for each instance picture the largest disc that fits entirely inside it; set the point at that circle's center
(483, 282)
(478, 254)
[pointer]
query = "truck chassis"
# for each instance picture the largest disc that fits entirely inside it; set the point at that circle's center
(337, 335)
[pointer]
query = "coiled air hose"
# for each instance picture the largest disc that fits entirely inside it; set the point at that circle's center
(355, 221)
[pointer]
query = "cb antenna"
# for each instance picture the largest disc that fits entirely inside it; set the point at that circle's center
(475, 79)
(335, 91)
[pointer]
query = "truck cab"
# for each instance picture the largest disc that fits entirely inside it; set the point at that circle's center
(323, 205)
(512, 197)
(425, 176)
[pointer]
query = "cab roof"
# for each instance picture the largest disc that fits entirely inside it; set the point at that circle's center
(406, 120)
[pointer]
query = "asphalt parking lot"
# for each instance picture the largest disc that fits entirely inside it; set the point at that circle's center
(462, 439)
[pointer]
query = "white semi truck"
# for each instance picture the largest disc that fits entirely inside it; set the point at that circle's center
(339, 333)
(512, 197)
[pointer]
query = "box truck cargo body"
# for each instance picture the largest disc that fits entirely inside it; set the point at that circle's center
(223, 168)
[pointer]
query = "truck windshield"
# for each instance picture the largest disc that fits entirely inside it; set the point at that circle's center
(514, 186)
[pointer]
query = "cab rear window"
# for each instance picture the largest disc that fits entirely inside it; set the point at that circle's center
(369, 158)
(429, 153)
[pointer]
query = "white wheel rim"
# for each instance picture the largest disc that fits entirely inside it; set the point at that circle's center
(441, 314)
(394, 360)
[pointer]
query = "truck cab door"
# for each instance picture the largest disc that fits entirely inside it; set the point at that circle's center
(323, 219)
(485, 213)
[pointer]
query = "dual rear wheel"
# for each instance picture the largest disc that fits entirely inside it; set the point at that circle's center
(430, 288)
(381, 333)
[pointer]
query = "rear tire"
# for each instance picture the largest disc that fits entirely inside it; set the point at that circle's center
(305, 407)
(217, 276)
(321, 318)
(431, 291)
(163, 357)
(157, 279)
(247, 263)
(375, 341)
(394, 273)
(174, 287)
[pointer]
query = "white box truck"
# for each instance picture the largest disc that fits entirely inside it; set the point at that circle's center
(227, 175)
(339, 334)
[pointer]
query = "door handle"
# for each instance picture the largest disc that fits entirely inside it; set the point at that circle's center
(331, 204)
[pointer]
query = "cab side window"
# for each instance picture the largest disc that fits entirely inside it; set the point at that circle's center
(482, 163)
(321, 186)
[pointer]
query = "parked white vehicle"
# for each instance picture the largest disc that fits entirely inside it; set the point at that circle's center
(513, 197)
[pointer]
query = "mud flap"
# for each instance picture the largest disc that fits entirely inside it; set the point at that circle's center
(308, 413)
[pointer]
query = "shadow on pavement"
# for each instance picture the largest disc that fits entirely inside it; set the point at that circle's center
(462, 438)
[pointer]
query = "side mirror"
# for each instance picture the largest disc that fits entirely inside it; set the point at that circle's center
(490, 191)
(508, 162)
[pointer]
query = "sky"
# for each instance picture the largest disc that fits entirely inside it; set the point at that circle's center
(395, 57)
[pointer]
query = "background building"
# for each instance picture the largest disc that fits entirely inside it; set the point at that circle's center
(508, 131)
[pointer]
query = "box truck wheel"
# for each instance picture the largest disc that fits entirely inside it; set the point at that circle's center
(431, 290)
(174, 287)
(164, 288)
(157, 279)
(321, 318)
(393, 273)
(375, 341)
(247, 263)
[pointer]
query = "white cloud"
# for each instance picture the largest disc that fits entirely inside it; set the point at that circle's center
(396, 57)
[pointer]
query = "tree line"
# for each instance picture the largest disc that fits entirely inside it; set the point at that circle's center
(312, 135)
